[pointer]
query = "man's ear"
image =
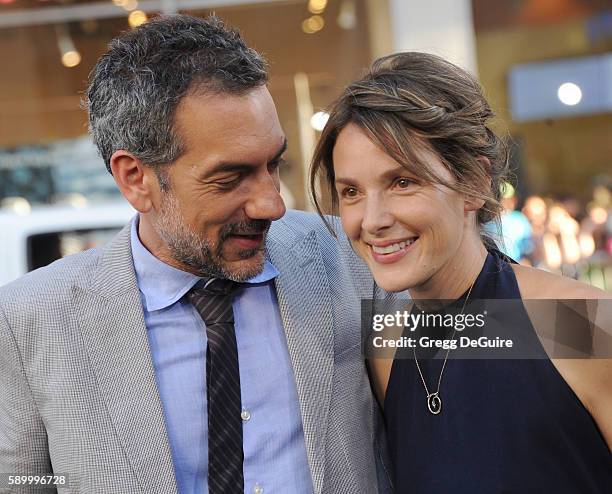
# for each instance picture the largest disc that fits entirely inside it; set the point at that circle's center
(134, 179)
(473, 203)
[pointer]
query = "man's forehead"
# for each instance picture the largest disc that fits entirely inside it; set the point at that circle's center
(229, 124)
(250, 112)
(257, 99)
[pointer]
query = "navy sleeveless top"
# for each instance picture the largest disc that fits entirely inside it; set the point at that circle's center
(506, 425)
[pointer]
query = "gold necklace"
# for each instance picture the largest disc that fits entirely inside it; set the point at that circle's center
(434, 402)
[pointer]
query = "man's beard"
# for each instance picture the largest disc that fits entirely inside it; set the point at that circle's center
(203, 256)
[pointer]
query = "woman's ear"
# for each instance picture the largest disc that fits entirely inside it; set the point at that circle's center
(486, 165)
(474, 203)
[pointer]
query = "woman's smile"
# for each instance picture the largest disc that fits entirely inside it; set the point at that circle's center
(388, 252)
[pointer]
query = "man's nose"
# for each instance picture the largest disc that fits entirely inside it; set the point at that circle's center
(266, 203)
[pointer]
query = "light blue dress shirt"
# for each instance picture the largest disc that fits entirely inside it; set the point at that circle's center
(275, 458)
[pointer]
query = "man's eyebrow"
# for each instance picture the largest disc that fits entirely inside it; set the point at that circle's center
(281, 150)
(237, 167)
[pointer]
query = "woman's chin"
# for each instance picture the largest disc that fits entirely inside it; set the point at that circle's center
(391, 278)
(390, 284)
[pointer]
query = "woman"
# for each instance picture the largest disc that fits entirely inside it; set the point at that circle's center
(415, 172)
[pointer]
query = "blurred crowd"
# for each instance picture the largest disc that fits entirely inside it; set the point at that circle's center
(561, 235)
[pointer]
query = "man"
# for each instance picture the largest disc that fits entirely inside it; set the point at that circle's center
(140, 367)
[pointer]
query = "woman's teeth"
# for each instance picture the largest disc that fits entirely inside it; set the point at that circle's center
(393, 247)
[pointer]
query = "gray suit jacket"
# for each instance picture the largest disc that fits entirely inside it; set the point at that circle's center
(78, 394)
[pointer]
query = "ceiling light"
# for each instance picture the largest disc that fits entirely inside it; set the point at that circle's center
(313, 24)
(318, 120)
(317, 6)
(137, 18)
(70, 56)
(569, 93)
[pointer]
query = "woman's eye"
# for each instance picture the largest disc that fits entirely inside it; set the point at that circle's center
(403, 183)
(349, 192)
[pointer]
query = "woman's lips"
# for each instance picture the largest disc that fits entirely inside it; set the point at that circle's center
(392, 256)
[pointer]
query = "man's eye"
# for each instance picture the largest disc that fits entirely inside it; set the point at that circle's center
(229, 182)
(273, 165)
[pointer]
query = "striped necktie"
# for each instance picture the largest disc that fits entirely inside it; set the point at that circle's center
(213, 300)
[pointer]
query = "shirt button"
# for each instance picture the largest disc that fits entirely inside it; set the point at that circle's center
(258, 489)
(245, 415)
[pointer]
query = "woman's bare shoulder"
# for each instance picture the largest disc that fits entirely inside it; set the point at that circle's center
(589, 377)
(536, 283)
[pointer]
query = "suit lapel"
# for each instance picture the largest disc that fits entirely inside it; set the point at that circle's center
(304, 302)
(114, 332)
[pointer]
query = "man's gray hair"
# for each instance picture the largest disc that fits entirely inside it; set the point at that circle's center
(136, 85)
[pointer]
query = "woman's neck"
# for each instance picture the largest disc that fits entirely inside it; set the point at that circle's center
(455, 277)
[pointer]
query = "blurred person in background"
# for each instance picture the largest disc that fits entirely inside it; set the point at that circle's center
(596, 239)
(535, 210)
(570, 239)
(515, 227)
(214, 345)
(415, 171)
(596, 225)
(597, 222)
(561, 238)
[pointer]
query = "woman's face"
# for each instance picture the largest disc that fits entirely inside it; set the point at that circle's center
(408, 232)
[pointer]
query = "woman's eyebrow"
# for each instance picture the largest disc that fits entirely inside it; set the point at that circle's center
(345, 181)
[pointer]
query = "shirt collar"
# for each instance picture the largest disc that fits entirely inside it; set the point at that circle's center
(161, 284)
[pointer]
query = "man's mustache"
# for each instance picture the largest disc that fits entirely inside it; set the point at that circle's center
(251, 227)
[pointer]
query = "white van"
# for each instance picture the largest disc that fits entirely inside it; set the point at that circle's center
(34, 238)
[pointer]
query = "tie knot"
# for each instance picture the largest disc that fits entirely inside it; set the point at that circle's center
(213, 300)
(215, 286)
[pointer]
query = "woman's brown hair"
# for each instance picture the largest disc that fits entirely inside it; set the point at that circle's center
(408, 99)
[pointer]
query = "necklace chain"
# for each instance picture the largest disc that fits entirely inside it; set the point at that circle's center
(434, 403)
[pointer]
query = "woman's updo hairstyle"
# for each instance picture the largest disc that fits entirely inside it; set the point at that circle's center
(408, 99)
